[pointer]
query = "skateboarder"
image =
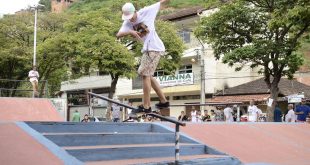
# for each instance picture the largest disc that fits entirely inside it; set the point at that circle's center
(141, 26)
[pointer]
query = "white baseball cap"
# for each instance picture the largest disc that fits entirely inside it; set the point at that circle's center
(128, 11)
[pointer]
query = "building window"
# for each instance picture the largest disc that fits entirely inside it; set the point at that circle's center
(186, 69)
(185, 35)
(159, 73)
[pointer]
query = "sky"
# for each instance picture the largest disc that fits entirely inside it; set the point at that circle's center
(11, 6)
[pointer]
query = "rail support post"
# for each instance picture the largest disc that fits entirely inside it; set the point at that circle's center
(177, 145)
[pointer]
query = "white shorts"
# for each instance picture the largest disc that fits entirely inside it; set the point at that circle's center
(34, 80)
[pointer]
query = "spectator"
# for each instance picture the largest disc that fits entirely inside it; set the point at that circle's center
(193, 116)
(252, 111)
(212, 116)
(206, 116)
(183, 116)
(116, 112)
(228, 114)
(76, 116)
(302, 111)
(260, 115)
(290, 116)
(86, 118)
(277, 114)
(198, 116)
(33, 76)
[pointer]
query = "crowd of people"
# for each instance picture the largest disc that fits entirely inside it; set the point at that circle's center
(294, 113)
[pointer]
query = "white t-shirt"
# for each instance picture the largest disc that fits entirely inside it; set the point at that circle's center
(252, 112)
(291, 115)
(193, 116)
(116, 113)
(34, 75)
(228, 114)
(147, 15)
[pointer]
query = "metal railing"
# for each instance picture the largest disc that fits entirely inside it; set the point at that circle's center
(21, 88)
(177, 123)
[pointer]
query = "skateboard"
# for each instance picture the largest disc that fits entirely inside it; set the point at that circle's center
(134, 116)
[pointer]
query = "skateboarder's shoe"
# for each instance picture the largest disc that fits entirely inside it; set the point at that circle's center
(141, 109)
(162, 105)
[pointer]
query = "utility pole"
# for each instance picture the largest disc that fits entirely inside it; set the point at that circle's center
(35, 32)
(201, 55)
(202, 81)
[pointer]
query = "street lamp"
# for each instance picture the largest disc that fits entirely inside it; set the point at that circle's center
(35, 31)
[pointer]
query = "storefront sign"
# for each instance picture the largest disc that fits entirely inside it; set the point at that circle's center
(295, 98)
(174, 80)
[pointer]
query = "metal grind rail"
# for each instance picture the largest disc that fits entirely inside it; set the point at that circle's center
(177, 123)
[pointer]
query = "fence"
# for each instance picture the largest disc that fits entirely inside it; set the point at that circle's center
(21, 88)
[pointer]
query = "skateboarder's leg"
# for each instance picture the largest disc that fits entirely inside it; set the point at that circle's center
(157, 89)
(146, 80)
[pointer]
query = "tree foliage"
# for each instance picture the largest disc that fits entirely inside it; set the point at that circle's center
(16, 36)
(263, 34)
(15, 50)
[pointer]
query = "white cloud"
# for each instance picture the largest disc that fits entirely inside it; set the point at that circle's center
(12, 6)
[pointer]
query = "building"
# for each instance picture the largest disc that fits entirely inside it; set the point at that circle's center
(258, 91)
(58, 6)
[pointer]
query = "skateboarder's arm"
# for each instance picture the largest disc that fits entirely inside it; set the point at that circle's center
(132, 33)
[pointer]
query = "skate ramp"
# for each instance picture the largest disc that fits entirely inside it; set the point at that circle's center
(256, 143)
(27, 109)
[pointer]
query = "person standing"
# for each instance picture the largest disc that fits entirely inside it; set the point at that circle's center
(33, 76)
(76, 116)
(290, 116)
(277, 116)
(141, 26)
(194, 116)
(252, 111)
(302, 111)
(228, 114)
(116, 112)
(86, 119)
(182, 117)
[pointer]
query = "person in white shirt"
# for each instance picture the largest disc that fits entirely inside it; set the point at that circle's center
(194, 116)
(140, 25)
(228, 114)
(252, 112)
(116, 112)
(33, 76)
(290, 116)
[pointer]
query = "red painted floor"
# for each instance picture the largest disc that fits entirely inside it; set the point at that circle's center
(27, 109)
(18, 148)
(287, 144)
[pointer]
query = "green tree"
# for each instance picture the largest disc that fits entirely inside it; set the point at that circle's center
(16, 53)
(264, 34)
(52, 50)
(15, 50)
